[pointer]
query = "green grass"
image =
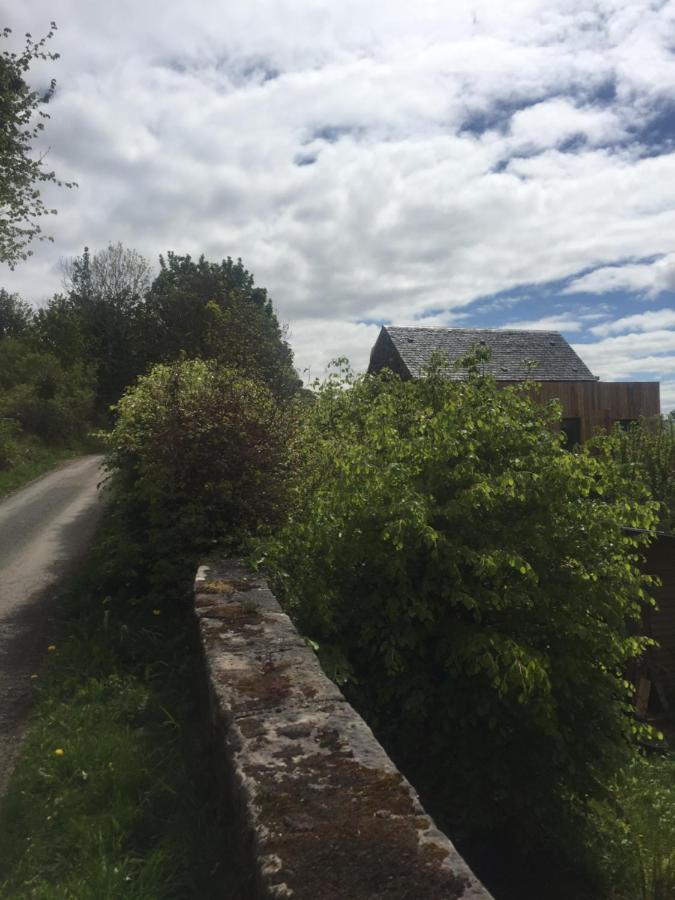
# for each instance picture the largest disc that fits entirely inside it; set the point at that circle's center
(31, 458)
(116, 814)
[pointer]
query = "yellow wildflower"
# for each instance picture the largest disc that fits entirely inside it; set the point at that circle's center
(59, 751)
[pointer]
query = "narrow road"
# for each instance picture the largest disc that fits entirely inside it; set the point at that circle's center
(44, 529)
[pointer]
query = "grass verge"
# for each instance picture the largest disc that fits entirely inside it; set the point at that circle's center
(103, 803)
(31, 458)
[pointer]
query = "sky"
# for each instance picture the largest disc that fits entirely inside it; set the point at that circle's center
(474, 164)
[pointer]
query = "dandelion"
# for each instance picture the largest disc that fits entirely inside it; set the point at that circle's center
(59, 751)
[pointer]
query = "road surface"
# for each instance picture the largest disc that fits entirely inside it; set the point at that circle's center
(44, 529)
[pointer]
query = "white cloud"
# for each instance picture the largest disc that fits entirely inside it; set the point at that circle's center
(550, 123)
(648, 321)
(317, 343)
(650, 278)
(436, 135)
(563, 322)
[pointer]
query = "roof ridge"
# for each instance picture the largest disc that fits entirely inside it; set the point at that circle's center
(460, 328)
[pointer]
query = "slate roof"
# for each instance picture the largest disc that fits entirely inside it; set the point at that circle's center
(408, 351)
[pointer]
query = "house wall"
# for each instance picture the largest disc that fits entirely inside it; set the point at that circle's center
(599, 404)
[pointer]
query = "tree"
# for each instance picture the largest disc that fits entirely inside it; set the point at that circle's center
(118, 276)
(40, 394)
(214, 311)
(21, 175)
(15, 315)
(101, 317)
(471, 582)
(646, 451)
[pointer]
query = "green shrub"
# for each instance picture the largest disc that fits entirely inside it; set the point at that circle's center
(471, 583)
(646, 451)
(634, 844)
(199, 453)
(8, 432)
(44, 397)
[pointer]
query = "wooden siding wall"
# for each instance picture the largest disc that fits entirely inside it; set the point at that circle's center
(599, 404)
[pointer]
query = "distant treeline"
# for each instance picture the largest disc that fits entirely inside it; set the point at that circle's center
(63, 366)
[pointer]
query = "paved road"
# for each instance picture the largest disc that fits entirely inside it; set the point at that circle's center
(44, 529)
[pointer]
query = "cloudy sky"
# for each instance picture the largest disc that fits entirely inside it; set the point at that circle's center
(471, 163)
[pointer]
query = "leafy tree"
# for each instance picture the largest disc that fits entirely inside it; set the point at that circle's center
(100, 319)
(15, 315)
(646, 452)
(41, 395)
(21, 175)
(58, 329)
(209, 310)
(105, 296)
(471, 582)
(199, 453)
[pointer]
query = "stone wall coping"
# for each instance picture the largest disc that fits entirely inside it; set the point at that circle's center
(323, 810)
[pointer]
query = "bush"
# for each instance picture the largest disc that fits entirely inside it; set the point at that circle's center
(8, 431)
(199, 453)
(44, 397)
(469, 580)
(646, 451)
(634, 846)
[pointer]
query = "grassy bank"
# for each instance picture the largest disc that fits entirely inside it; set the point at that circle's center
(104, 801)
(31, 458)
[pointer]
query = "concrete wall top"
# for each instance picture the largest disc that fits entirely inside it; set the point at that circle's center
(327, 813)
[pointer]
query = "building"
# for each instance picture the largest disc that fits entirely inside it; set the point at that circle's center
(516, 356)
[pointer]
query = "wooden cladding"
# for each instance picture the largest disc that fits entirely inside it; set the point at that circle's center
(599, 404)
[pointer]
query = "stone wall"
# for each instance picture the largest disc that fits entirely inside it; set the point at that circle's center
(318, 809)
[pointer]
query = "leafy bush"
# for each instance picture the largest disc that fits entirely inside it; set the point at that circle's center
(199, 452)
(41, 394)
(471, 582)
(634, 846)
(8, 431)
(646, 451)
(15, 315)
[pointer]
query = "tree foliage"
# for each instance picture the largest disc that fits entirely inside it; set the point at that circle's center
(199, 453)
(114, 318)
(21, 174)
(40, 395)
(205, 310)
(646, 453)
(471, 582)
(15, 315)
(101, 317)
